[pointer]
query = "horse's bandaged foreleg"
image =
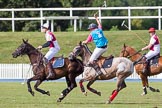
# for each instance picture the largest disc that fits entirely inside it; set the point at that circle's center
(113, 95)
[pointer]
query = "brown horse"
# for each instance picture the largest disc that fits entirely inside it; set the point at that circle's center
(134, 55)
(121, 68)
(70, 70)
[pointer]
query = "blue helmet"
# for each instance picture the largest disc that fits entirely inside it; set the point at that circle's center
(92, 26)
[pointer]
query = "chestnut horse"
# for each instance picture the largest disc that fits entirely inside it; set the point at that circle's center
(134, 55)
(121, 68)
(70, 69)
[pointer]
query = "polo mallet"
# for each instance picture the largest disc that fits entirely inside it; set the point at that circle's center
(104, 5)
(123, 24)
(26, 75)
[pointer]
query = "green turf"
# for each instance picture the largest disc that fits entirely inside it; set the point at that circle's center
(15, 95)
(68, 40)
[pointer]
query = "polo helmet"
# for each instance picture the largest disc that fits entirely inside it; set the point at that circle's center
(92, 26)
(151, 30)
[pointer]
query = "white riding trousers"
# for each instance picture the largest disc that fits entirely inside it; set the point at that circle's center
(96, 53)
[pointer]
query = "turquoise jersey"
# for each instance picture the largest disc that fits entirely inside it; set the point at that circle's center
(98, 38)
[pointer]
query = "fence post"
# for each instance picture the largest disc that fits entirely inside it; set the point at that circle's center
(99, 11)
(52, 26)
(75, 25)
(71, 14)
(129, 18)
(41, 15)
(13, 22)
(159, 19)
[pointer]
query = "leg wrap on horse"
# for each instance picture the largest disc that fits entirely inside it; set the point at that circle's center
(115, 92)
(81, 86)
(66, 91)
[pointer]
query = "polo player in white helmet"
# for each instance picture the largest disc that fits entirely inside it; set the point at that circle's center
(53, 49)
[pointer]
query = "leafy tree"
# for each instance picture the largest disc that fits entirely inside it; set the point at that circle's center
(107, 24)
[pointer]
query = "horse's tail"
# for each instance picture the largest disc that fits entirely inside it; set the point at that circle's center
(132, 67)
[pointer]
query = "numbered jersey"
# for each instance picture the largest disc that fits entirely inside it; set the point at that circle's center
(99, 38)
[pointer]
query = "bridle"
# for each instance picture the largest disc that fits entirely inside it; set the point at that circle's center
(125, 51)
(129, 56)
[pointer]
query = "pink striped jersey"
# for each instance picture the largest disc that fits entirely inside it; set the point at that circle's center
(51, 37)
(155, 43)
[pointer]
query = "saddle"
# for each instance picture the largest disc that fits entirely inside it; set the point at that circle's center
(58, 62)
(108, 62)
(154, 60)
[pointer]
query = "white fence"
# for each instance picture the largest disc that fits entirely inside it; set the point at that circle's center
(24, 71)
(128, 17)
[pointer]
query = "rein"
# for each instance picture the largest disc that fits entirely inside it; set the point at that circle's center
(39, 58)
(134, 54)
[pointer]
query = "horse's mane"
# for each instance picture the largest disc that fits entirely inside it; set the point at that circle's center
(33, 48)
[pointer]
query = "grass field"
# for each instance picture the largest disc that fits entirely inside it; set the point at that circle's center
(68, 40)
(15, 95)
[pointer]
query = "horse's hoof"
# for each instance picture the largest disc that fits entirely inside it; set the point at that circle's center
(48, 93)
(108, 102)
(32, 93)
(99, 93)
(58, 100)
(85, 93)
(157, 90)
(143, 94)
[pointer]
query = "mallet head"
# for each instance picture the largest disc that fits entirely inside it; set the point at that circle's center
(123, 23)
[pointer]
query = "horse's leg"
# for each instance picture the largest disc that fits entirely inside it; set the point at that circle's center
(82, 87)
(34, 78)
(29, 86)
(153, 89)
(120, 85)
(144, 83)
(40, 90)
(91, 89)
(70, 80)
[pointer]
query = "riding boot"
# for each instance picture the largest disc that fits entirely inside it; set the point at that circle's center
(45, 60)
(145, 64)
(50, 71)
(97, 68)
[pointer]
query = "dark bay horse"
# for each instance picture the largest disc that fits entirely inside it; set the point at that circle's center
(70, 69)
(121, 68)
(134, 55)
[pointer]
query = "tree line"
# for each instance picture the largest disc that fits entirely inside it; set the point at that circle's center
(65, 25)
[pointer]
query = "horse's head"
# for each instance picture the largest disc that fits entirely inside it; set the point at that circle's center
(81, 50)
(77, 51)
(22, 49)
(130, 52)
(125, 51)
